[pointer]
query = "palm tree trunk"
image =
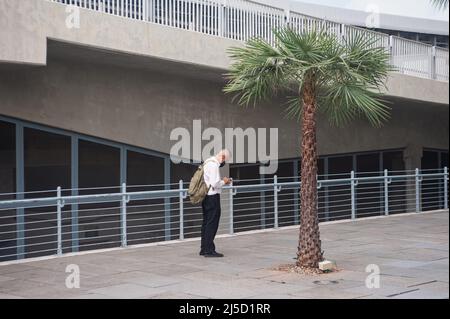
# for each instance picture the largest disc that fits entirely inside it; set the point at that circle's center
(309, 248)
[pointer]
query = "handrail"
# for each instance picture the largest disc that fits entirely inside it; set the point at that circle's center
(243, 19)
(59, 224)
(175, 193)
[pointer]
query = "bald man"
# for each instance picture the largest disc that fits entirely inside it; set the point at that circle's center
(211, 203)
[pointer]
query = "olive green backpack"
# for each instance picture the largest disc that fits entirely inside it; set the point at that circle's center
(197, 188)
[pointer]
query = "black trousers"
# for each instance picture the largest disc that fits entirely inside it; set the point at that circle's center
(211, 217)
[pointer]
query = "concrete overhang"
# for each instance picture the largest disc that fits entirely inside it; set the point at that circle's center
(27, 25)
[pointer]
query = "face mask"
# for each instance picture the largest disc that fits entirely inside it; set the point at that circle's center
(222, 164)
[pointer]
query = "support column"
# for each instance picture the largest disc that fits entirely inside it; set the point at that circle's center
(413, 159)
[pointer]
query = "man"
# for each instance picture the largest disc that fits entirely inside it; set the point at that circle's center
(211, 203)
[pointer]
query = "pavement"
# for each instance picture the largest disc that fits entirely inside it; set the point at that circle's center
(405, 256)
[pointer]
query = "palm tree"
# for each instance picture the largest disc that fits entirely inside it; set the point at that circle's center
(440, 4)
(341, 77)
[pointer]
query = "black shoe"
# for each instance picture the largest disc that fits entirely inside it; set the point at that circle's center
(202, 253)
(213, 255)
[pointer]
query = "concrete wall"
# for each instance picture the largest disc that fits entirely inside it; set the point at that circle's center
(141, 107)
(26, 25)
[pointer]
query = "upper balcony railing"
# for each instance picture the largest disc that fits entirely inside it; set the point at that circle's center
(242, 20)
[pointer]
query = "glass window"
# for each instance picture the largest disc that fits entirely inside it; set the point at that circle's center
(7, 190)
(47, 160)
(393, 161)
(339, 197)
(47, 165)
(145, 218)
(340, 165)
(248, 207)
(444, 159)
(426, 38)
(192, 214)
(182, 171)
(442, 41)
(369, 194)
(432, 187)
(7, 158)
(288, 198)
(99, 172)
(99, 165)
(408, 35)
(144, 169)
(368, 163)
(288, 206)
(430, 160)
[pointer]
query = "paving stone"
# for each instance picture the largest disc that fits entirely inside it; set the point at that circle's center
(127, 291)
(5, 278)
(411, 251)
(147, 279)
(175, 295)
(6, 296)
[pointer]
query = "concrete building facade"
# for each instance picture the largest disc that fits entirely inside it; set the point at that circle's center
(93, 104)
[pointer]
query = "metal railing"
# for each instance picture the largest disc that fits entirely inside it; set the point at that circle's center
(243, 19)
(55, 222)
(413, 58)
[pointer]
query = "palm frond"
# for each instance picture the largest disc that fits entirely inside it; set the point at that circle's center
(343, 102)
(352, 84)
(259, 71)
(349, 73)
(293, 108)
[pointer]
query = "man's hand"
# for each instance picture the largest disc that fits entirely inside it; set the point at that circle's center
(227, 180)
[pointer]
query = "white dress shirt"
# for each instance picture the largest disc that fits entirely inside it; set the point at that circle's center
(211, 175)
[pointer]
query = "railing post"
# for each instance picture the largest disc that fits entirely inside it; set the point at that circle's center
(353, 192)
(222, 18)
(181, 211)
(433, 63)
(59, 206)
(418, 180)
(343, 33)
(230, 203)
(287, 17)
(391, 49)
(275, 201)
(144, 10)
(123, 215)
(386, 192)
(446, 188)
(101, 6)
